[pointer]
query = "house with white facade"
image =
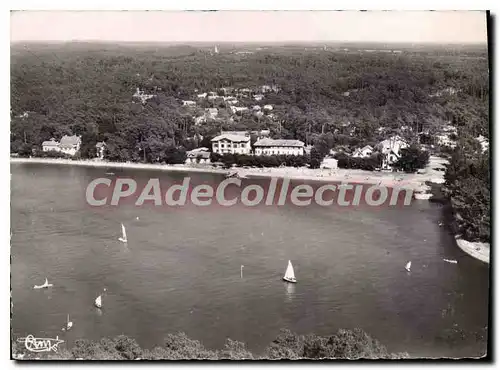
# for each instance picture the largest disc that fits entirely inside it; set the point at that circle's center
(329, 163)
(363, 152)
(391, 150)
(188, 103)
(50, 145)
(70, 144)
(231, 144)
(268, 107)
(258, 97)
(279, 147)
(484, 142)
(238, 109)
(198, 156)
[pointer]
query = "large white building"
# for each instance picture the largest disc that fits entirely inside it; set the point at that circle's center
(279, 147)
(231, 144)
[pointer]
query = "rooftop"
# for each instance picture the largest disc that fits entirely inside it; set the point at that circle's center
(198, 154)
(279, 142)
(51, 142)
(231, 137)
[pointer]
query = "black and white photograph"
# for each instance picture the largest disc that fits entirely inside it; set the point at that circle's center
(250, 185)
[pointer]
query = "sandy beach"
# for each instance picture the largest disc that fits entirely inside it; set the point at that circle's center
(480, 251)
(416, 182)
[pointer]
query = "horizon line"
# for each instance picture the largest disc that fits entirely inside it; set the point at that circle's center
(252, 42)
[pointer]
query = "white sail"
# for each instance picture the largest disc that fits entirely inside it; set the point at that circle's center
(124, 232)
(98, 302)
(408, 266)
(289, 273)
(44, 285)
(69, 324)
(123, 238)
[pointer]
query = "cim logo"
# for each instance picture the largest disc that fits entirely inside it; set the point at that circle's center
(33, 344)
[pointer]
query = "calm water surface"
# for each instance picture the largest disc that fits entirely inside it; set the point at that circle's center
(180, 270)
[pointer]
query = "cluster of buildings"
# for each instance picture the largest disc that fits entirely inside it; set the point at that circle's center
(70, 145)
(230, 97)
(238, 142)
(391, 150)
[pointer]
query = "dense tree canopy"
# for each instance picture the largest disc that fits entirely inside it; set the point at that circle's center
(345, 344)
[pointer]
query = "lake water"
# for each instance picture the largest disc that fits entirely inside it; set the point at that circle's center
(180, 270)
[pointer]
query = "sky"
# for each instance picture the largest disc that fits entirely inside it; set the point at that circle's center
(251, 26)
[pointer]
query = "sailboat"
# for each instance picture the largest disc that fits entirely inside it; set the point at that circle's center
(98, 302)
(123, 238)
(408, 266)
(69, 324)
(289, 273)
(44, 285)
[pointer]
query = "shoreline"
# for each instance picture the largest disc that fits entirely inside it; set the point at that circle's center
(415, 182)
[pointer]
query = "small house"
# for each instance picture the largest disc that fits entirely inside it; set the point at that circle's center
(70, 144)
(364, 152)
(198, 156)
(50, 145)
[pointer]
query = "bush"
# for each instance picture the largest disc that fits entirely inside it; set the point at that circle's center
(25, 150)
(234, 350)
(52, 154)
(316, 158)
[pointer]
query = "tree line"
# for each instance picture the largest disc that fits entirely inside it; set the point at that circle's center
(468, 186)
(345, 344)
